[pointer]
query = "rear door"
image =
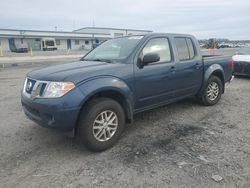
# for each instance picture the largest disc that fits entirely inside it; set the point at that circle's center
(154, 82)
(189, 68)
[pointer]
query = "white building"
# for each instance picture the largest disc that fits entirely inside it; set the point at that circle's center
(111, 32)
(82, 38)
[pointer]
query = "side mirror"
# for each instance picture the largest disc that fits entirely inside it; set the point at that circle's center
(150, 58)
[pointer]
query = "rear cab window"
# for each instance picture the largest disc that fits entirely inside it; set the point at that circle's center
(185, 48)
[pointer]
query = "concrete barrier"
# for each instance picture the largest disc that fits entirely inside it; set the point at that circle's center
(28, 60)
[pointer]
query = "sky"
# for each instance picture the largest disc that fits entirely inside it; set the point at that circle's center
(202, 18)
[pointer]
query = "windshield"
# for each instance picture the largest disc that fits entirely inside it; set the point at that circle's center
(114, 50)
(244, 51)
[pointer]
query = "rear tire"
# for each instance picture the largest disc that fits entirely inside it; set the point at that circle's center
(101, 124)
(212, 92)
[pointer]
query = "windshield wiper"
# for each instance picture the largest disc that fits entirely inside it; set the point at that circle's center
(100, 60)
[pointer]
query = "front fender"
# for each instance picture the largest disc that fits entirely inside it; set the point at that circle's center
(107, 83)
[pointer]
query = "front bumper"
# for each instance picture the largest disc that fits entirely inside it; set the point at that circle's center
(59, 113)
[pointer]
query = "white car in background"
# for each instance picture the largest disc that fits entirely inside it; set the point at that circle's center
(242, 62)
(48, 44)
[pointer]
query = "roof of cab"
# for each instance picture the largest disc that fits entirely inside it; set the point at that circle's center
(169, 34)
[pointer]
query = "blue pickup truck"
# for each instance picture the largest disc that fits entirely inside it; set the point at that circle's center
(97, 95)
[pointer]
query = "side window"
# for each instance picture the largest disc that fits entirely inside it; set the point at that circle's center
(185, 48)
(182, 48)
(159, 46)
(190, 48)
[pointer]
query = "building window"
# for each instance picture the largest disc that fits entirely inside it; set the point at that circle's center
(116, 35)
(76, 42)
(86, 42)
(21, 41)
(58, 42)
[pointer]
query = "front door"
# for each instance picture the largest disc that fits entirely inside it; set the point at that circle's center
(154, 82)
(68, 44)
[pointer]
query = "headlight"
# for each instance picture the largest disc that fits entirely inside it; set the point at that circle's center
(57, 89)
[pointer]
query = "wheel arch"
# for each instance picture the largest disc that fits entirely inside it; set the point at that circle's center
(115, 95)
(213, 70)
(112, 88)
(220, 75)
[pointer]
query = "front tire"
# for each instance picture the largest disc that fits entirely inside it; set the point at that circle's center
(212, 92)
(101, 124)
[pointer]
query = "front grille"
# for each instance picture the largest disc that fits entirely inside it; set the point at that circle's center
(42, 89)
(30, 85)
(34, 88)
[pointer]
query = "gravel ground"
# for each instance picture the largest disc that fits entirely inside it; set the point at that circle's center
(180, 145)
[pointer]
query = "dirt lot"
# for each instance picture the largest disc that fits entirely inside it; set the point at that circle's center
(181, 145)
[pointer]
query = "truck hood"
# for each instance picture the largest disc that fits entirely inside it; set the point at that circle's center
(77, 71)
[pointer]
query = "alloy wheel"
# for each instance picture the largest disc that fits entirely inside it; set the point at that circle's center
(105, 125)
(213, 91)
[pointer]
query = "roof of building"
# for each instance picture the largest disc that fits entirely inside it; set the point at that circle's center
(110, 28)
(97, 32)
(42, 33)
(45, 31)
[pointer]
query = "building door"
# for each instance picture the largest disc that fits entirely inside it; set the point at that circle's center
(68, 44)
(12, 44)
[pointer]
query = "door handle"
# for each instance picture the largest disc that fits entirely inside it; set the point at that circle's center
(197, 66)
(172, 69)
